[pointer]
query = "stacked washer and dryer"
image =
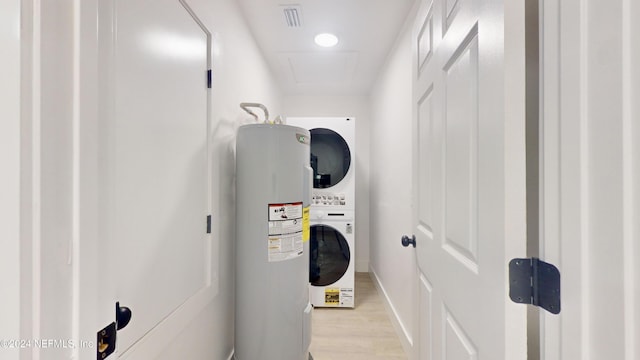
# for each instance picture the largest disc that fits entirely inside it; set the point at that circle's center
(332, 212)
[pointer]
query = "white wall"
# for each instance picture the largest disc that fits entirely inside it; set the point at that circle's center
(358, 107)
(391, 181)
(240, 74)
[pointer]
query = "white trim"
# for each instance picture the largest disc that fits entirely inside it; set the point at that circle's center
(75, 240)
(515, 221)
(584, 217)
(36, 165)
(550, 162)
(405, 337)
(10, 181)
(628, 183)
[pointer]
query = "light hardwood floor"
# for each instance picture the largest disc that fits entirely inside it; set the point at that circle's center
(363, 333)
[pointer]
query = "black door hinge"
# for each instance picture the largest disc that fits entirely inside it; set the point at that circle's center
(209, 80)
(533, 281)
(208, 224)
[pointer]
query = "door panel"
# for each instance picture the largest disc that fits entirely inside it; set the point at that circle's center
(459, 178)
(458, 346)
(425, 158)
(425, 40)
(450, 10)
(156, 177)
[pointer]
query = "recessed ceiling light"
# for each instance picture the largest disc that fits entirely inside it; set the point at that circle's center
(326, 40)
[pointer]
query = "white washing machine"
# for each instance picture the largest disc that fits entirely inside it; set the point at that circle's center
(333, 143)
(332, 243)
(332, 260)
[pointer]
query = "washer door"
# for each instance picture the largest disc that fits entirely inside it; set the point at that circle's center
(330, 255)
(330, 157)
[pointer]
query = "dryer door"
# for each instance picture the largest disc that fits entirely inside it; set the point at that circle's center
(330, 157)
(330, 255)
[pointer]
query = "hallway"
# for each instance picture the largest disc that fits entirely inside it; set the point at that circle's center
(487, 131)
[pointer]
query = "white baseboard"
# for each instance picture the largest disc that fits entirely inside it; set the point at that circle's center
(405, 338)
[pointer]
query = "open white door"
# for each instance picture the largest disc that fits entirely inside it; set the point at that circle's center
(152, 252)
(469, 181)
(591, 177)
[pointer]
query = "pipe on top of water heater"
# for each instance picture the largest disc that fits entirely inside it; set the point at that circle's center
(245, 106)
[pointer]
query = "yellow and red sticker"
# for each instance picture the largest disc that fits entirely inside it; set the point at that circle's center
(306, 225)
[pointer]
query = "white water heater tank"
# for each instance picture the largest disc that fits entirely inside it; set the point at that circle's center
(273, 192)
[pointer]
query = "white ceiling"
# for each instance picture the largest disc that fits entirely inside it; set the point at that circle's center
(367, 30)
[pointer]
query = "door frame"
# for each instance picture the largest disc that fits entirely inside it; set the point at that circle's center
(516, 97)
(515, 57)
(41, 101)
(11, 143)
(571, 126)
(85, 254)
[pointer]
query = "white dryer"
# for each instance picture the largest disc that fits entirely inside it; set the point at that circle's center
(332, 260)
(333, 144)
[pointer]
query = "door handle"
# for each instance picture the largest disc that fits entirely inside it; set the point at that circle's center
(406, 241)
(123, 316)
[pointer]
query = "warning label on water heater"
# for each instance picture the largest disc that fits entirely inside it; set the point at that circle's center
(285, 231)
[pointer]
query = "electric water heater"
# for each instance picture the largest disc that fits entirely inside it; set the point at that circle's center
(273, 193)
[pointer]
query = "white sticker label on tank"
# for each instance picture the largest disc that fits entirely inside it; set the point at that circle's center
(285, 231)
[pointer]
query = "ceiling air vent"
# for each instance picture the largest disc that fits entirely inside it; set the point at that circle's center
(292, 15)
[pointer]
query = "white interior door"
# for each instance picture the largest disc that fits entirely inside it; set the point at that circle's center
(154, 171)
(591, 177)
(462, 173)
